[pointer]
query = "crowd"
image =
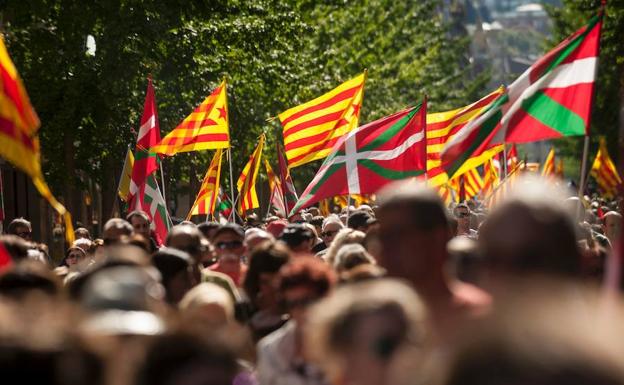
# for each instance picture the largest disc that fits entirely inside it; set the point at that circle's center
(407, 291)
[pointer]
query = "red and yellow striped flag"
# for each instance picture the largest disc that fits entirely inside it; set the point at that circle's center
(276, 191)
(206, 128)
(491, 178)
(206, 200)
(605, 172)
(549, 164)
(19, 142)
(246, 184)
(311, 129)
(559, 170)
(442, 126)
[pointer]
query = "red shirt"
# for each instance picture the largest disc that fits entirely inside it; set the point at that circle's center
(237, 276)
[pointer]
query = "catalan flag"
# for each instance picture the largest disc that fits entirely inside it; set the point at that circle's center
(126, 176)
(206, 128)
(246, 184)
(19, 142)
(206, 200)
(605, 172)
(442, 127)
(549, 164)
(470, 182)
(491, 177)
(311, 129)
(277, 191)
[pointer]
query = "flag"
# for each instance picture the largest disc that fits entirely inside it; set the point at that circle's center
(442, 126)
(371, 156)
(288, 187)
(512, 157)
(123, 189)
(224, 205)
(469, 184)
(19, 140)
(145, 194)
(276, 191)
(311, 129)
(551, 99)
(605, 172)
(559, 172)
(206, 128)
(324, 207)
(548, 168)
(246, 184)
(149, 199)
(1, 201)
(491, 177)
(206, 200)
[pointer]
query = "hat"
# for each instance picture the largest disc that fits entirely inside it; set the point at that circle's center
(231, 227)
(294, 234)
(360, 219)
(277, 227)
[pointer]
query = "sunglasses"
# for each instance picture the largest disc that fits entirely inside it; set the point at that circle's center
(24, 234)
(76, 256)
(229, 245)
(329, 233)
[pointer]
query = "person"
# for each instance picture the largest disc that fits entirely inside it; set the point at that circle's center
(228, 241)
(344, 237)
(298, 237)
(20, 227)
(463, 214)
(331, 226)
(255, 236)
(74, 257)
(281, 359)
(141, 223)
(27, 278)
(360, 220)
(208, 304)
(208, 229)
(612, 224)
(414, 233)
(175, 267)
(350, 256)
(355, 334)
(82, 232)
(260, 285)
(16, 247)
(115, 230)
(188, 239)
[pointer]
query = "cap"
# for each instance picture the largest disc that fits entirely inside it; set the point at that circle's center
(359, 219)
(231, 227)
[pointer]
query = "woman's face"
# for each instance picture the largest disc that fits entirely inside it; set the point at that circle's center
(74, 257)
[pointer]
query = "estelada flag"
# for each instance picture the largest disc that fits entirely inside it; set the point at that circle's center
(604, 171)
(311, 129)
(206, 128)
(371, 156)
(19, 140)
(246, 184)
(206, 200)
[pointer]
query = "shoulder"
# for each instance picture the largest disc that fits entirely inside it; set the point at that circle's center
(473, 300)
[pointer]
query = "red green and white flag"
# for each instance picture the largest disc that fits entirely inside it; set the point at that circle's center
(371, 156)
(551, 99)
(150, 200)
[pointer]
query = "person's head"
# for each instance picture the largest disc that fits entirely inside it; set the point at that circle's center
(462, 213)
(276, 227)
(612, 223)
(229, 243)
(115, 230)
(20, 227)
(350, 256)
(186, 238)
(331, 226)
(260, 281)
(301, 282)
(81, 232)
(74, 256)
(344, 237)
(28, 277)
(175, 267)
(83, 243)
(209, 304)
(356, 333)
(466, 260)
(530, 233)
(298, 237)
(208, 229)
(140, 221)
(16, 246)
(255, 236)
(413, 232)
(317, 222)
(360, 220)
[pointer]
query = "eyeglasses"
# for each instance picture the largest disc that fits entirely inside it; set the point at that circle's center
(329, 233)
(24, 234)
(229, 245)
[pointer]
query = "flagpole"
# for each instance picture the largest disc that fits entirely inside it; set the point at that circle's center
(520, 163)
(584, 167)
(229, 151)
(424, 124)
(505, 159)
(162, 181)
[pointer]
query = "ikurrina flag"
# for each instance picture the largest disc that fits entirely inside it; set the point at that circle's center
(206, 128)
(149, 199)
(145, 160)
(371, 156)
(246, 184)
(442, 126)
(551, 99)
(605, 172)
(206, 200)
(548, 169)
(144, 193)
(19, 139)
(311, 129)
(288, 187)
(224, 206)
(276, 191)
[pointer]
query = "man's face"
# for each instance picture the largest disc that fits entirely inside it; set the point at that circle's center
(463, 217)
(229, 247)
(612, 227)
(24, 232)
(141, 226)
(329, 232)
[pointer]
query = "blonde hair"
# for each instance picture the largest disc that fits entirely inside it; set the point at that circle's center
(344, 237)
